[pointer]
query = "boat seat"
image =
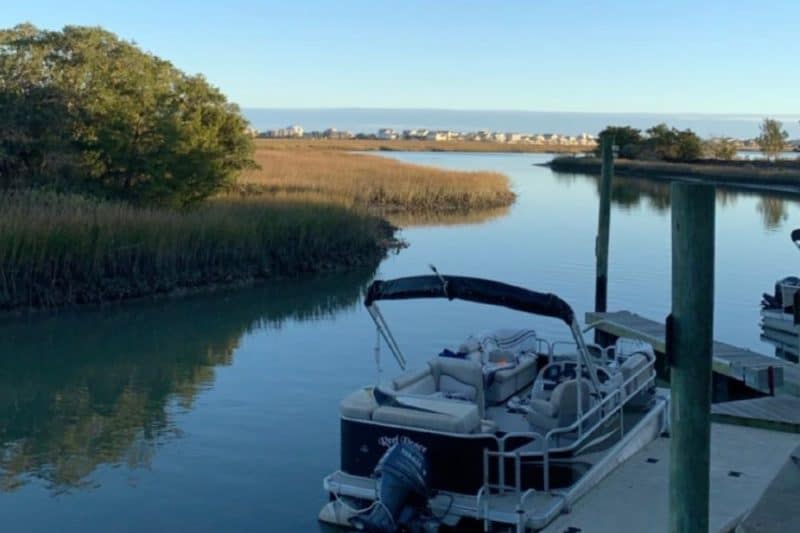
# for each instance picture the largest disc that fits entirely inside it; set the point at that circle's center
(444, 376)
(509, 381)
(437, 414)
(419, 381)
(562, 408)
(358, 404)
(459, 377)
(633, 364)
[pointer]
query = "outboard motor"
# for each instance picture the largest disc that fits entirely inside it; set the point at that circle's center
(402, 488)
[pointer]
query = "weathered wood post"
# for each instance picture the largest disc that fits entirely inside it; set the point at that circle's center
(690, 346)
(603, 222)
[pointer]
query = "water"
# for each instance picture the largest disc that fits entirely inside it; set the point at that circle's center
(219, 412)
(370, 120)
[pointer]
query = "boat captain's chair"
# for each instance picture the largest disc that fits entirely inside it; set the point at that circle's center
(561, 410)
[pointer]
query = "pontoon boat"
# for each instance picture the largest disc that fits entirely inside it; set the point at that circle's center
(508, 429)
(777, 309)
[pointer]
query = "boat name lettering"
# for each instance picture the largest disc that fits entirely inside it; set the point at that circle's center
(388, 442)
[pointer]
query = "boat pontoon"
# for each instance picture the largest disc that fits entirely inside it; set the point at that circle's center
(777, 309)
(509, 429)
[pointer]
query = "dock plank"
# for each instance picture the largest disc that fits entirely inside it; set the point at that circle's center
(733, 361)
(780, 413)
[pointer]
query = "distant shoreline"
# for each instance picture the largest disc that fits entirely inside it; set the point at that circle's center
(752, 174)
(402, 145)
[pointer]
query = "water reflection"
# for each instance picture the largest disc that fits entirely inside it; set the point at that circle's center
(450, 218)
(630, 193)
(99, 387)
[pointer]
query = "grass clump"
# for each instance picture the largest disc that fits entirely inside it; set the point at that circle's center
(62, 249)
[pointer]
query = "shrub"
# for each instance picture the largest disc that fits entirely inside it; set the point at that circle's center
(86, 111)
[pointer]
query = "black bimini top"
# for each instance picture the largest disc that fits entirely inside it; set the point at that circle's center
(471, 289)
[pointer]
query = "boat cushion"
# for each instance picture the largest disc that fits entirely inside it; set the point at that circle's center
(460, 377)
(452, 387)
(509, 381)
(451, 416)
(358, 404)
(633, 365)
(408, 379)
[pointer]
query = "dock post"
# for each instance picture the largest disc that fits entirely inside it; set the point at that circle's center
(690, 355)
(603, 223)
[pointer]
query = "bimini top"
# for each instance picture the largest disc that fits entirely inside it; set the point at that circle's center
(471, 289)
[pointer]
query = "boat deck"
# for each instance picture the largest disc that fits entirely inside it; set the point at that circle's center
(751, 368)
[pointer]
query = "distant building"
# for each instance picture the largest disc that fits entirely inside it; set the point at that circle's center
(387, 134)
(294, 131)
(333, 133)
(436, 136)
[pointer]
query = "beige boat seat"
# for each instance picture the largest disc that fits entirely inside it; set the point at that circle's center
(507, 382)
(437, 414)
(562, 408)
(632, 365)
(358, 404)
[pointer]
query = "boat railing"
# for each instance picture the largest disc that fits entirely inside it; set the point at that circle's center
(607, 408)
(603, 354)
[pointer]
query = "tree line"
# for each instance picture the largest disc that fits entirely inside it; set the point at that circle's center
(86, 111)
(670, 144)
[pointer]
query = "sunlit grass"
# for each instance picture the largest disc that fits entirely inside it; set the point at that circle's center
(373, 182)
(65, 249)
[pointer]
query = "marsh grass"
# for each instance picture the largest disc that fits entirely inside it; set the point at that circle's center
(60, 250)
(402, 145)
(378, 183)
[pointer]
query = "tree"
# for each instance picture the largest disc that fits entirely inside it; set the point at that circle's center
(87, 111)
(722, 148)
(689, 147)
(668, 143)
(772, 140)
(626, 137)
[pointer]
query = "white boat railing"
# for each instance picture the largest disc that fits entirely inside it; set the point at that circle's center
(608, 407)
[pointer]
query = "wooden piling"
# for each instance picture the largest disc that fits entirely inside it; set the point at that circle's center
(603, 223)
(690, 354)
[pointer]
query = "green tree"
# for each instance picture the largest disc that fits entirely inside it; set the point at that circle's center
(689, 146)
(664, 142)
(722, 148)
(87, 111)
(626, 137)
(772, 140)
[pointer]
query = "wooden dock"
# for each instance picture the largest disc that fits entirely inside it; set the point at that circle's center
(779, 413)
(756, 371)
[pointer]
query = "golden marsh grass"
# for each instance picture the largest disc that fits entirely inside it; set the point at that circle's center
(372, 182)
(64, 249)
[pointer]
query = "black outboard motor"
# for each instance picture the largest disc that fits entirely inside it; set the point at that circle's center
(402, 486)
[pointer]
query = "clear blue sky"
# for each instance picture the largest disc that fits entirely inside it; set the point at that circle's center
(715, 56)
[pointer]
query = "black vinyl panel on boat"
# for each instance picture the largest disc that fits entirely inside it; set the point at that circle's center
(471, 289)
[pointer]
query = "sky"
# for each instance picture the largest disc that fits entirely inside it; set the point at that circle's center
(625, 56)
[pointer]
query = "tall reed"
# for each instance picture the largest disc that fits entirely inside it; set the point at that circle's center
(375, 182)
(64, 249)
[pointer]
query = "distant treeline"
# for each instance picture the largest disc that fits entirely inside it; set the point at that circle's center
(662, 143)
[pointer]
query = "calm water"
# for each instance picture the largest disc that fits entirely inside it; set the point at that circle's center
(370, 120)
(219, 412)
